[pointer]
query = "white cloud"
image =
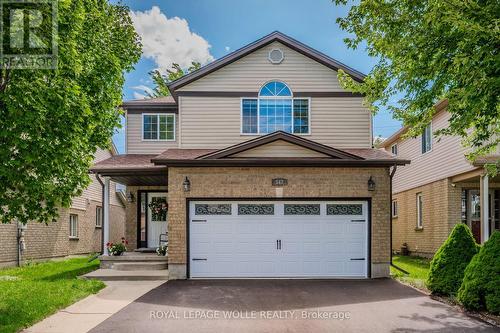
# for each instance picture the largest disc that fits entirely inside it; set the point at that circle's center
(168, 40)
(227, 48)
(138, 95)
(143, 89)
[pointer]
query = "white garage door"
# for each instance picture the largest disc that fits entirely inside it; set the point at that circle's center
(267, 239)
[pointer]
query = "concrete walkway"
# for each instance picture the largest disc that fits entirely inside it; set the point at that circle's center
(91, 311)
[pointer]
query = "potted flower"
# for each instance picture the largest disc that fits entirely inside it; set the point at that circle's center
(162, 250)
(117, 249)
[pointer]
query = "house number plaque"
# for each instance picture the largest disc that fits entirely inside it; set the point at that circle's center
(280, 182)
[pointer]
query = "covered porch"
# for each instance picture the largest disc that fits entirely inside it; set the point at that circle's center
(479, 195)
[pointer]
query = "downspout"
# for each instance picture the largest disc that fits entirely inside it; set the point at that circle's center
(391, 176)
(102, 210)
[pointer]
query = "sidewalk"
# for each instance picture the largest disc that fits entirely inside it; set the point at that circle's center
(91, 311)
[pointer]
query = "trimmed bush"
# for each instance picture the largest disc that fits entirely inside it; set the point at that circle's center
(448, 265)
(481, 285)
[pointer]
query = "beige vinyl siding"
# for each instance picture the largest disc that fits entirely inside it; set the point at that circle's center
(135, 144)
(446, 159)
(94, 190)
(214, 122)
(279, 148)
(252, 71)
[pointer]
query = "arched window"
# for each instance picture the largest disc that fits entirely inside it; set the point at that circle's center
(275, 110)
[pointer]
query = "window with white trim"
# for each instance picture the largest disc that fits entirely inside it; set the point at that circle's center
(73, 226)
(427, 139)
(394, 149)
(420, 221)
(158, 127)
(98, 217)
(275, 110)
(394, 208)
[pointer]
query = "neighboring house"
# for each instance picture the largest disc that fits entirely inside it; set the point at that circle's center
(78, 230)
(260, 165)
(439, 189)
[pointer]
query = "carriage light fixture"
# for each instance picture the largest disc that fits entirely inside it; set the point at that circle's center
(187, 185)
(371, 184)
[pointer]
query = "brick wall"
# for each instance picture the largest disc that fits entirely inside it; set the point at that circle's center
(441, 212)
(52, 240)
(256, 183)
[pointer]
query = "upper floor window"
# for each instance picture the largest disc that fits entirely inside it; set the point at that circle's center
(158, 127)
(275, 110)
(394, 149)
(427, 139)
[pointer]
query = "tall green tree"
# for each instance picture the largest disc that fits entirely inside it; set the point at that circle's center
(427, 51)
(161, 81)
(53, 121)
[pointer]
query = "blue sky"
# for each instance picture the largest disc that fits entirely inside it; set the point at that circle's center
(208, 29)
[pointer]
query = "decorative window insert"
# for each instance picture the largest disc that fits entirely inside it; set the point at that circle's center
(344, 209)
(394, 208)
(302, 209)
(73, 226)
(255, 209)
(158, 127)
(427, 139)
(212, 209)
(420, 220)
(275, 110)
(98, 217)
(394, 149)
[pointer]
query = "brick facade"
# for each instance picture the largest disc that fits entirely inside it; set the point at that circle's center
(52, 240)
(441, 212)
(256, 183)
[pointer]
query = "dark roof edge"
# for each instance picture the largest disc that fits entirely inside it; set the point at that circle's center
(299, 162)
(249, 48)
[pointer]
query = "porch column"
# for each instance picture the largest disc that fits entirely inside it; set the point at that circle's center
(105, 200)
(485, 209)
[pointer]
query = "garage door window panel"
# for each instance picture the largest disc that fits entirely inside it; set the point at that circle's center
(213, 209)
(344, 209)
(302, 209)
(255, 209)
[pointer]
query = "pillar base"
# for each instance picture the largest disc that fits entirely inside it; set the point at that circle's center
(177, 271)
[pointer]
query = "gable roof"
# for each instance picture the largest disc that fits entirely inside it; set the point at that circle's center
(280, 135)
(266, 40)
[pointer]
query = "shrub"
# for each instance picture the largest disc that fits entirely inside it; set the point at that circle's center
(480, 288)
(448, 265)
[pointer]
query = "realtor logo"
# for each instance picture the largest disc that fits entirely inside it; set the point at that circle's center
(28, 34)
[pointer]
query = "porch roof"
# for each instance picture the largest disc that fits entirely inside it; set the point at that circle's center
(132, 170)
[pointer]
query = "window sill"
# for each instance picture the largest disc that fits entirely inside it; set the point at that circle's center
(395, 217)
(73, 238)
(98, 227)
(419, 229)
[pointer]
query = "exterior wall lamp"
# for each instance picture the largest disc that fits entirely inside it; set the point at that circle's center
(186, 184)
(371, 184)
(130, 197)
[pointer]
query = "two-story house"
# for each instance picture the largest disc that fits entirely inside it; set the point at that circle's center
(439, 189)
(77, 230)
(259, 165)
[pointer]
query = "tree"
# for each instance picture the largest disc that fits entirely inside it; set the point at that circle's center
(53, 121)
(161, 81)
(448, 265)
(427, 51)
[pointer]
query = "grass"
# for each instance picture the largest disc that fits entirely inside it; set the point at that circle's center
(30, 293)
(417, 267)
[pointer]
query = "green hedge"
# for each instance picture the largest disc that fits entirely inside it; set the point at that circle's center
(448, 265)
(480, 288)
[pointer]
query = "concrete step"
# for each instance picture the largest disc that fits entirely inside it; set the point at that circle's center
(139, 266)
(135, 257)
(116, 275)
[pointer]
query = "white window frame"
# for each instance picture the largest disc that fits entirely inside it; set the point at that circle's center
(394, 208)
(73, 226)
(158, 126)
(430, 138)
(98, 216)
(420, 211)
(394, 149)
(258, 115)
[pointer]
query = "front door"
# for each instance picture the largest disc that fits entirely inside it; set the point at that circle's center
(157, 209)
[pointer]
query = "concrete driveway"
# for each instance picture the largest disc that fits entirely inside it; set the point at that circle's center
(288, 306)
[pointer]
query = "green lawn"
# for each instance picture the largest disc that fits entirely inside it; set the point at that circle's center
(31, 293)
(416, 266)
